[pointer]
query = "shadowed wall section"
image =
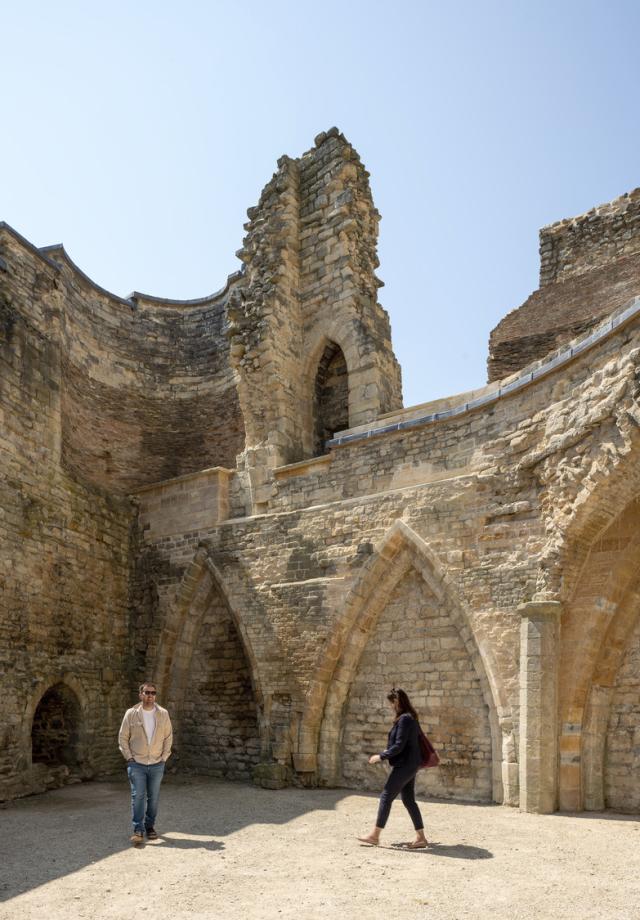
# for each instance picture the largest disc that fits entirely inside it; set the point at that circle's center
(147, 391)
(219, 727)
(56, 728)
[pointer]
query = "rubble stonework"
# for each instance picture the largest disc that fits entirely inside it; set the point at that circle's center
(170, 509)
(589, 266)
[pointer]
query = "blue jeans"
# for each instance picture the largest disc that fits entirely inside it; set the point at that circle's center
(145, 791)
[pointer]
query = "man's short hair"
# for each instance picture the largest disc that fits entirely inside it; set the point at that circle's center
(147, 683)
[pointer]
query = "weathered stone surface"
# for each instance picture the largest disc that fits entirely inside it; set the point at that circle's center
(163, 514)
(589, 265)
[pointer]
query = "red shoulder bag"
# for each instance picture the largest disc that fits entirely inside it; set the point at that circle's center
(429, 754)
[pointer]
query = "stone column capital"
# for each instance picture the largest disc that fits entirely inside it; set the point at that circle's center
(540, 610)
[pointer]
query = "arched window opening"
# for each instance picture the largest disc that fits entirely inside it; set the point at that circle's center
(56, 728)
(331, 397)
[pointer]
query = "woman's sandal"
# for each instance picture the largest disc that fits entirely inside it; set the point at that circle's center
(368, 841)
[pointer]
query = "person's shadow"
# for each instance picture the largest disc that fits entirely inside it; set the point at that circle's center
(185, 843)
(453, 851)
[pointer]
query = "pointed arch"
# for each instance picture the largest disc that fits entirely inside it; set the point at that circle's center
(597, 622)
(200, 583)
(400, 551)
(330, 397)
(324, 345)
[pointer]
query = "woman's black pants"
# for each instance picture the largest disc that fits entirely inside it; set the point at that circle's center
(401, 780)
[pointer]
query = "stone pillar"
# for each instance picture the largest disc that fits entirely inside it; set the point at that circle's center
(539, 658)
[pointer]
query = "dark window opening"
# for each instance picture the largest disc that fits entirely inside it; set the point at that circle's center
(331, 397)
(56, 727)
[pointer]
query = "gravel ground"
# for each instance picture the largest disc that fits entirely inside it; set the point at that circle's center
(229, 850)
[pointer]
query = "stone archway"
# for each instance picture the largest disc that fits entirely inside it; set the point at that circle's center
(402, 552)
(207, 667)
(597, 623)
(54, 733)
(415, 644)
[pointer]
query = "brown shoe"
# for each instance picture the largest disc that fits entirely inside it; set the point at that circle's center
(152, 834)
(137, 839)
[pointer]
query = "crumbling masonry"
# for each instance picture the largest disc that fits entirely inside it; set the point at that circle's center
(226, 494)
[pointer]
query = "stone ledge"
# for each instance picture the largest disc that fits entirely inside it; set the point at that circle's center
(315, 466)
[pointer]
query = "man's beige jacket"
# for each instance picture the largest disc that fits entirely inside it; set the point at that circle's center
(133, 741)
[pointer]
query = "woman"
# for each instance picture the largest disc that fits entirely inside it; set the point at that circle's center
(404, 755)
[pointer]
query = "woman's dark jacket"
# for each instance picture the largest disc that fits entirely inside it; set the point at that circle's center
(403, 745)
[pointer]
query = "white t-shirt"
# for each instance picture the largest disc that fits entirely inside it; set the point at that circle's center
(149, 719)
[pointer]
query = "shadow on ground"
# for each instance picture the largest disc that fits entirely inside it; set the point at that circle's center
(454, 851)
(44, 837)
(49, 836)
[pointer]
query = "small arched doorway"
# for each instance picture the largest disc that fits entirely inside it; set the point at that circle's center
(55, 730)
(330, 397)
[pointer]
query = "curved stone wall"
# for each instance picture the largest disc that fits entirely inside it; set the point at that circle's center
(147, 390)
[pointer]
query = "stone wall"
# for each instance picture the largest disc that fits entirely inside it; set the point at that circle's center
(64, 559)
(480, 504)
(146, 389)
(148, 392)
(592, 240)
(560, 311)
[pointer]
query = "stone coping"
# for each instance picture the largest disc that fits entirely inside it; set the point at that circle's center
(49, 253)
(218, 470)
(24, 242)
(299, 468)
(499, 390)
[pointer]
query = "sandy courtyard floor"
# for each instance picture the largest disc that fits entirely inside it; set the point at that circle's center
(230, 850)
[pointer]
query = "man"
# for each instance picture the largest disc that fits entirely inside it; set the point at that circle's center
(145, 741)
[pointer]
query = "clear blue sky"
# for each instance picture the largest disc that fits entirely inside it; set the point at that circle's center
(137, 133)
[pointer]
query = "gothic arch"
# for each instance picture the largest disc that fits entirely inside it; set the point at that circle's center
(597, 620)
(399, 552)
(200, 583)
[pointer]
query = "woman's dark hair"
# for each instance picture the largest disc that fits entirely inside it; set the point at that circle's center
(403, 701)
